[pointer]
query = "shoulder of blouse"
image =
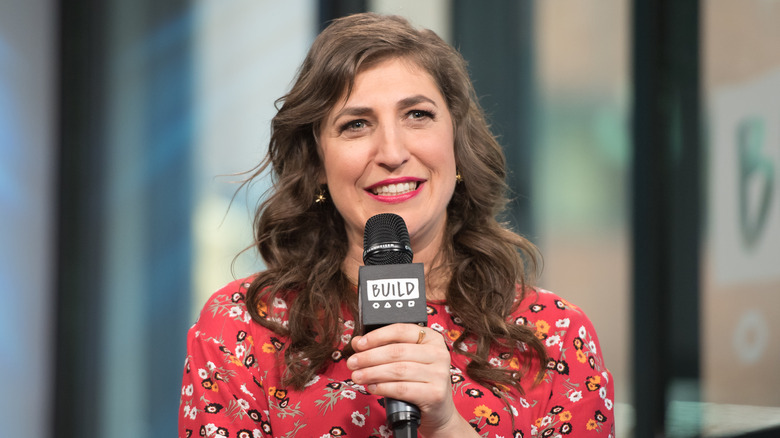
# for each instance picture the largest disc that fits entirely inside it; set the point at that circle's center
(226, 308)
(537, 300)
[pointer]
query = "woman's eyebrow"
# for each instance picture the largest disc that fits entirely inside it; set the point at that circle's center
(414, 100)
(354, 111)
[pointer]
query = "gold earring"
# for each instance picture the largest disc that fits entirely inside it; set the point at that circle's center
(320, 198)
(458, 178)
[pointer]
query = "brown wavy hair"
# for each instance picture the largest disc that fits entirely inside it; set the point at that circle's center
(304, 244)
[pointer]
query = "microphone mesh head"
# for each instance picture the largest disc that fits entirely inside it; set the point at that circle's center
(386, 241)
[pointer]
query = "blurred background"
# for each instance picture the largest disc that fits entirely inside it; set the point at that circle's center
(643, 140)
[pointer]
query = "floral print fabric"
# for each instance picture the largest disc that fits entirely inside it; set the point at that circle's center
(232, 379)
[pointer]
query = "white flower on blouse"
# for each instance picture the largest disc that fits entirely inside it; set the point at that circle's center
(583, 332)
(575, 396)
(608, 403)
(203, 374)
(436, 326)
(246, 391)
(350, 324)
(358, 419)
(552, 340)
(347, 393)
(210, 365)
(592, 346)
(211, 429)
(235, 311)
(240, 350)
(187, 390)
(243, 403)
(562, 323)
(385, 431)
(279, 303)
(313, 380)
(603, 392)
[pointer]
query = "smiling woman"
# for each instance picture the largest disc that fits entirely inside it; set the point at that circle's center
(383, 118)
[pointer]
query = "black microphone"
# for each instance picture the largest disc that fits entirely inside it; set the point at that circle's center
(392, 290)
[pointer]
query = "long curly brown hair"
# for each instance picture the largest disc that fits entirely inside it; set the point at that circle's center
(304, 244)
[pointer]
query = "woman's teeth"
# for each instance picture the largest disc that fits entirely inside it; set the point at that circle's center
(395, 189)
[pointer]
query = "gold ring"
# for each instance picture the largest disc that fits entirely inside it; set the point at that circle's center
(421, 336)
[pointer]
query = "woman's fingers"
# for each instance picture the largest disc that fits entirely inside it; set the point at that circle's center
(393, 334)
(393, 353)
(391, 372)
(396, 344)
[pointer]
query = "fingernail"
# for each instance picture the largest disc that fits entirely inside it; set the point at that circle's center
(352, 363)
(357, 376)
(371, 388)
(362, 342)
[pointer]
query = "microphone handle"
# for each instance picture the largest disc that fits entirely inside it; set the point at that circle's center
(402, 417)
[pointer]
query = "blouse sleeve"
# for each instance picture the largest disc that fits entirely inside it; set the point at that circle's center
(581, 391)
(221, 396)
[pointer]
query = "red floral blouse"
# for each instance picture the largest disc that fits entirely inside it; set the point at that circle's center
(231, 385)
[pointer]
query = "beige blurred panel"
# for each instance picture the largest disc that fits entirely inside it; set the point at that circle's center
(741, 350)
(740, 40)
(583, 46)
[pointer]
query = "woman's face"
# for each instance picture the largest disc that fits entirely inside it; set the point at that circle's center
(390, 149)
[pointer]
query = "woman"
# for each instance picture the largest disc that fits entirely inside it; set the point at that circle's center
(383, 118)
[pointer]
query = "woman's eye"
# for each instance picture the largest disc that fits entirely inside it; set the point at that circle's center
(420, 114)
(353, 125)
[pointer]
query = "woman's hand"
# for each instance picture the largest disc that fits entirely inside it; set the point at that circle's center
(390, 362)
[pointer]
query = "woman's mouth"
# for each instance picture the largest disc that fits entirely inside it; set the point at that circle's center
(395, 189)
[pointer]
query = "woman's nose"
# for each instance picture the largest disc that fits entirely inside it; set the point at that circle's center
(392, 150)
